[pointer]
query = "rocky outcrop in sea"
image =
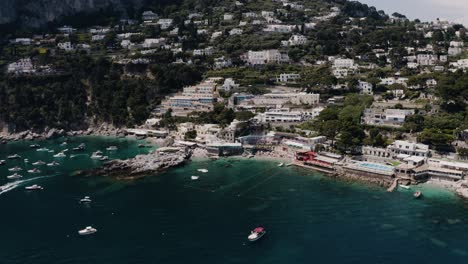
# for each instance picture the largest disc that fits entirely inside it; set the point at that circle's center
(142, 165)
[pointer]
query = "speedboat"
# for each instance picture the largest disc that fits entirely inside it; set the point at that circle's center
(86, 199)
(417, 194)
(96, 155)
(53, 164)
(112, 148)
(104, 158)
(33, 187)
(203, 170)
(60, 155)
(15, 169)
(80, 147)
(87, 231)
(194, 177)
(34, 146)
(35, 170)
(281, 165)
(14, 176)
(42, 150)
(15, 156)
(405, 187)
(38, 163)
(256, 234)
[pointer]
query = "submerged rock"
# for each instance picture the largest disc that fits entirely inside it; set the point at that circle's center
(142, 165)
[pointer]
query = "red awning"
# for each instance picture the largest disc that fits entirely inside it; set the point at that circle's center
(258, 230)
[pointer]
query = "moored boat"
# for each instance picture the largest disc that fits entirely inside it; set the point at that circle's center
(97, 155)
(15, 169)
(112, 148)
(203, 170)
(86, 199)
(2, 162)
(34, 171)
(281, 165)
(34, 146)
(14, 176)
(87, 231)
(42, 150)
(405, 187)
(194, 177)
(417, 194)
(53, 164)
(15, 156)
(80, 147)
(104, 158)
(60, 155)
(33, 187)
(256, 234)
(39, 163)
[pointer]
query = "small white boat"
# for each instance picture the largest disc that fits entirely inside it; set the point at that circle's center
(15, 169)
(96, 155)
(15, 156)
(38, 163)
(203, 170)
(60, 155)
(64, 144)
(2, 162)
(104, 158)
(53, 164)
(34, 171)
(87, 231)
(256, 234)
(405, 187)
(86, 199)
(14, 176)
(194, 177)
(34, 146)
(50, 151)
(34, 187)
(112, 148)
(417, 194)
(281, 165)
(42, 150)
(26, 161)
(80, 147)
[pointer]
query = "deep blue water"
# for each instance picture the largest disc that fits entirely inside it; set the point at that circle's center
(169, 218)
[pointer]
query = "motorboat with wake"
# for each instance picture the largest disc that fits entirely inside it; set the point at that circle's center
(14, 176)
(87, 231)
(256, 234)
(15, 169)
(86, 199)
(34, 187)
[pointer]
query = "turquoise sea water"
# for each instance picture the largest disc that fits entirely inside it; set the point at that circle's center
(171, 219)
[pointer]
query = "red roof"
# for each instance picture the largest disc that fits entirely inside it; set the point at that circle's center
(258, 230)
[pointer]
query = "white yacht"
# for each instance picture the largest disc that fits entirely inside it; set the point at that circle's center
(53, 164)
(34, 187)
(60, 155)
(96, 155)
(34, 171)
(256, 234)
(14, 176)
(112, 148)
(15, 169)
(194, 177)
(203, 170)
(87, 231)
(86, 199)
(38, 163)
(42, 150)
(15, 156)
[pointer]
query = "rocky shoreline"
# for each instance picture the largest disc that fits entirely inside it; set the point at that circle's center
(141, 165)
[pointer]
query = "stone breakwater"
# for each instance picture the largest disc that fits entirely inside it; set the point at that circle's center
(141, 165)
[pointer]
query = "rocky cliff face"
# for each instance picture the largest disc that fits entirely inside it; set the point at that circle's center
(35, 13)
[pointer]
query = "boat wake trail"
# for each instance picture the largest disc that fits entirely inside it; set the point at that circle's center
(13, 185)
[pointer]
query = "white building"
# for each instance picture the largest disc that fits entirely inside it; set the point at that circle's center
(236, 31)
(280, 28)
(427, 59)
(229, 84)
(165, 23)
(228, 17)
(149, 15)
(288, 77)
(67, 46)
(66, 30)
(385, 117)
(455, 51)
(365, 88)
(282, 115)
(343, 63)
(21, 66)
(266, 56)
(296, 40)
(408, 148)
